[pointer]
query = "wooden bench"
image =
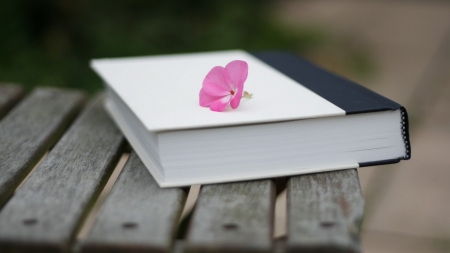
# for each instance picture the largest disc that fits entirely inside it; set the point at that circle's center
(79, 147)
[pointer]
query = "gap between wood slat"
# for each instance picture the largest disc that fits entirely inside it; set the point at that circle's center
(186, 214)
(32, 170)
(90, 219)
(190, 201)
(280, 216)
(25, 179)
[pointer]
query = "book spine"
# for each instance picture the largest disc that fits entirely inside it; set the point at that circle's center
(405, 133)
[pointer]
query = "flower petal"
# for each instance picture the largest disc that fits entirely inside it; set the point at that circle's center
(215, 82)
(236, 74)
(234, 103)
(220, 104)
(205, 99)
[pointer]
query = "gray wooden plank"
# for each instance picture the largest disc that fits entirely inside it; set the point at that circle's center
(45, 213)
(137, 215)
(9, 96)
(30, 129)
(233, 217)
(324, 212)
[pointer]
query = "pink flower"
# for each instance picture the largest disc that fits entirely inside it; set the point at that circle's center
(224, 85)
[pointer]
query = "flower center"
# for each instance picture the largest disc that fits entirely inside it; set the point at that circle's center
(232, 92)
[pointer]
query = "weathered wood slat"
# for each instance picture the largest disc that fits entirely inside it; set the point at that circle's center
(137, 216)
(9, 96)
(46, 211)
(30, 129)
(233, 218)
(324, 212)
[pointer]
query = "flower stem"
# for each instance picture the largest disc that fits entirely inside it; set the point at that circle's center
(247, 95)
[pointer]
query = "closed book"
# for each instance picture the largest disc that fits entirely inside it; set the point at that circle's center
(300, 118)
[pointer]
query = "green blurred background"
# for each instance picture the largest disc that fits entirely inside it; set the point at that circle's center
(50, 42)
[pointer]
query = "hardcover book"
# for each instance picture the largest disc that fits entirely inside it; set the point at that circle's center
(300, 119)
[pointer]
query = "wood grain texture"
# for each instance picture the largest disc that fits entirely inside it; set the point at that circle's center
(137, 216)
(45, 212)
(30, 129)
(9, 96)
(324, 212)
(236, 217)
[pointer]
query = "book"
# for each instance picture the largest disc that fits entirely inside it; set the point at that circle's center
(301, 119)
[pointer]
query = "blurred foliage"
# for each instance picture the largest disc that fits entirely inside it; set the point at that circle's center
(346, 56)
(50, 42)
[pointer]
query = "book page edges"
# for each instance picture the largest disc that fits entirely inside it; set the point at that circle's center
(133, 139)
(237, 178)
(159, 177)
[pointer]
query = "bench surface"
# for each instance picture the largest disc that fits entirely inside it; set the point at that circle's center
(74, 147)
